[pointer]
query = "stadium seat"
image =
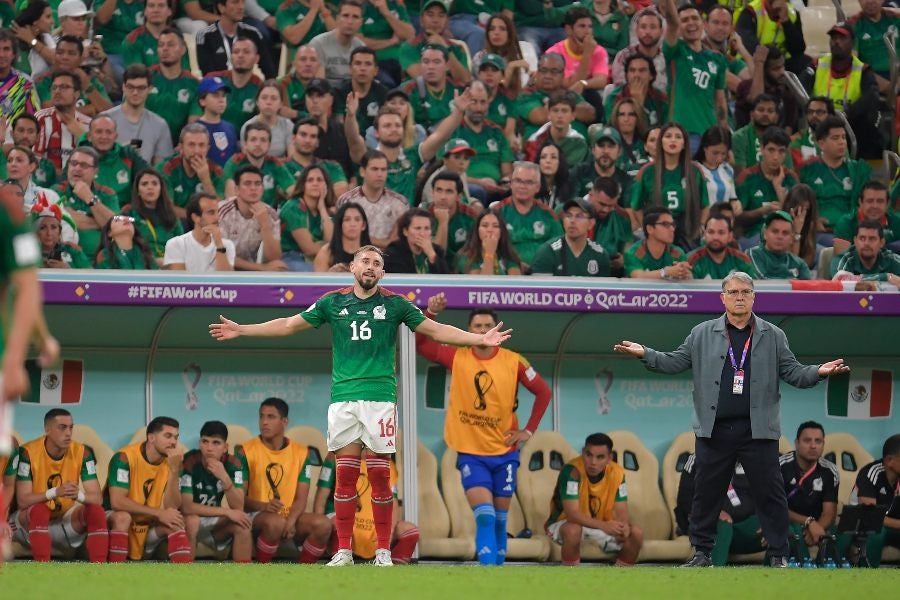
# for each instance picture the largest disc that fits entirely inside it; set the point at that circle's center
(537, 547)
(845, 451)
(313, 439)
(784, 445)
(102, 453)
(646, 506)
(817, 20)
(191, 42)
(284, 60)
(673, 463)
(823, 269)
(438, 537)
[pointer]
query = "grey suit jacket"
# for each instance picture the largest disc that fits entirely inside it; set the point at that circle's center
(704, 351)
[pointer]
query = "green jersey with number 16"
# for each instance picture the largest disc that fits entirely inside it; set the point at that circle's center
(363, 336)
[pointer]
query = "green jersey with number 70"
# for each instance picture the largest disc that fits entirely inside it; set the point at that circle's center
(363, 337)
(693, 80)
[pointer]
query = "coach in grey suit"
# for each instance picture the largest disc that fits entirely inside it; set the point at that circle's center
(737, 362)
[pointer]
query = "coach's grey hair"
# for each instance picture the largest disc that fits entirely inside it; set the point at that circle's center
(740, 276)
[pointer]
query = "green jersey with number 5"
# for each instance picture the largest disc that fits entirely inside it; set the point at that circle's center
(363, 336)
(693, 80)
(672, 189)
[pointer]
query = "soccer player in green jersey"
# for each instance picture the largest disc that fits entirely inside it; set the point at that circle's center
(208, 475)
(364, 320)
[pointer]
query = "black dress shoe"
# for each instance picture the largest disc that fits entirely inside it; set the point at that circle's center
(778, 562)
(699, 559)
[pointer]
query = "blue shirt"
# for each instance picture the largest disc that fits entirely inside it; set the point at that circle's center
(222, 141)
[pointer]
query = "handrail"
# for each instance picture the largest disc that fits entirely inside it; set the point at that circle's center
(891, 164)
(839, 13)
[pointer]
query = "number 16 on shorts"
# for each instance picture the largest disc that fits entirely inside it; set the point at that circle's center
(373, 424)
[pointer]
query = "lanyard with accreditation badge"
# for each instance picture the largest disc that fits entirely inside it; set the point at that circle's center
(737, 386)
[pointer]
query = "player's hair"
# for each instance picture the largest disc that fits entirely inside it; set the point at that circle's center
(362, 50)
(257, 126)
(825, 127)
(446, 175)
(193, 205)
(718, 215)
(652, 215)
(608, 186)
(368, 248)
(244, 171)
(891, 446)
(369, 156)
(307, 121)
(872, 224)
(158, 423)
(278, 404)
(136, 72)
(873, 185)
(566, 97)
(55, 412)
(483, 311)
(775, 135)
(76, 81)
(214, 429)
(810, 425)
(740, 276)
(599, 439)
(574, 15)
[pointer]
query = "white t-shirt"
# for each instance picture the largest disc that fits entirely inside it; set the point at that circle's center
(197, 258)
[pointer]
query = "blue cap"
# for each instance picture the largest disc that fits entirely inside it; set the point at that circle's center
(212, 84)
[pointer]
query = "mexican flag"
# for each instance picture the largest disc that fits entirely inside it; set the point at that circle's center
(861, 394)
(59, 385)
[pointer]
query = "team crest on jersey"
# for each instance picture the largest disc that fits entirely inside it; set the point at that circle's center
(122, 176)
(184, 96)
(848, 184)
(538, 228)
(372, 109)
(249, 105)
(492, 145)
(460, 235)
(794, 272)
(220, 140)
(502, 110)
(817, 484)
(713, 68)
(268, 182)
(592, 267)
(380, 313)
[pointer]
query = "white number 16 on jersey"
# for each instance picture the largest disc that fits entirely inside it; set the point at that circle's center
(361, 331)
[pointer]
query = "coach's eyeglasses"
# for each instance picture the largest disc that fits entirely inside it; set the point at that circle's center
(735, 293)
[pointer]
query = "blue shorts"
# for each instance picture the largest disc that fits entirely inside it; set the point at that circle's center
(496, 473)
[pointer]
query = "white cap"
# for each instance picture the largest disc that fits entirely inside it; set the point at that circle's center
(72, 8)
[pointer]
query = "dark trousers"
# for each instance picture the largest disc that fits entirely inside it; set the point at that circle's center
(731, 441)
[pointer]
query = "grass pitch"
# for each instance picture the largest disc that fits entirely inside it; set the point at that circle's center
(162, 581)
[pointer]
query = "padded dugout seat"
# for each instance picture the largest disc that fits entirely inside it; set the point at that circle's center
(102, 452)
(463, 518)
(646, 505)
(313, 439)
(439, 534)
(845, 451)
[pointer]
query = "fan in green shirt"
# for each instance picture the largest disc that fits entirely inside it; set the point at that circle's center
(431, 93)
(613, 228)
(869, 27)
(873, 206)
(434, 21)
(118, 164)
(772, 259)
(115, 19)
(530, 223)
(718, 257)
(180, 170)
(81, 193)
(451, 220)
(762, 189)
(746, 141)
(299, 22)
(123, 247)
(173, 90)
(657, 257)
(610, 25)
(868, 257)
(573, 253)
(277, 179)
(383, 24)
(140, 47)
(837, 180)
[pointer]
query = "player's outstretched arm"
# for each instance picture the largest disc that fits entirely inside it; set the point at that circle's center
(447, 334)
(226, 329)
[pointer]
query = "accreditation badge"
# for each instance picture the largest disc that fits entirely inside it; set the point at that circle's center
(737, 387)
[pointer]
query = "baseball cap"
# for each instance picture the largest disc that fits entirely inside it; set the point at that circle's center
(319, 86)
(72, 8)
(599, 132)
(457, 145)
(779, 214)
(843, 28)
(495, 60)
(582, 204)
(397, 92)
(431, 46)
(212, 84)
(445, 4)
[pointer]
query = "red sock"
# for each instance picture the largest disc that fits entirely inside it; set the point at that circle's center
(379, 470)
(571, 561)
(38, 531)
(310, 552)
(265, 549)
(404, 547)
(94, 518)
(624, 563)
(347, 473)
(118, 546)
(179, 547)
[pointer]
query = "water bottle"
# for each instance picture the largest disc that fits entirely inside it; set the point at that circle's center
(794, 563)
(829, 563)
(845, 564)
(808, 563)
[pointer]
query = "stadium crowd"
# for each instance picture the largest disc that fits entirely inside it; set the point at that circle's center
(600, 138)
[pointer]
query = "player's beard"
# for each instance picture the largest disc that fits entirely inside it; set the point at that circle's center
(366, 284)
